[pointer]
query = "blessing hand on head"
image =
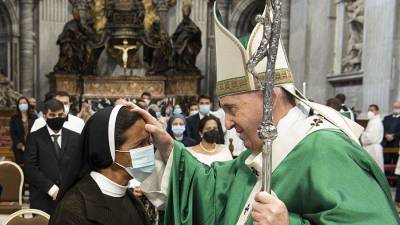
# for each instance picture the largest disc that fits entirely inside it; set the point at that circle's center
(161, 139)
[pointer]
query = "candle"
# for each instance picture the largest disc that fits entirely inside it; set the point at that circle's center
(304, 89)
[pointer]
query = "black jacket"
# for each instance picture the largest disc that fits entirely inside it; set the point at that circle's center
(194, 123)
(17, 134)
(43, 169)
(84, 204)
(391, 125)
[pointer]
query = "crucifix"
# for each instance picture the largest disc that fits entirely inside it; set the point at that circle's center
(125, 48)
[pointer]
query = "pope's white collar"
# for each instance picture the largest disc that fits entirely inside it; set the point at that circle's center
(254, 161)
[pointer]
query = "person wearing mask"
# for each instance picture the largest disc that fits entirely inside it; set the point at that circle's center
(193, 109)
(116, 148)
(372, 137)
(178, 109)
(72, 122)
(391, 125)
(20, 124)
(178, 129)
(33, 106)
(204, 103)
(320, 173)
(146, 96)
(52, 159)
(208, 151)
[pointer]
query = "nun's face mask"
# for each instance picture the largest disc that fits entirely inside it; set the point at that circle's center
(141, 152)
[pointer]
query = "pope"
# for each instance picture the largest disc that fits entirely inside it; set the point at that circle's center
(321, 174)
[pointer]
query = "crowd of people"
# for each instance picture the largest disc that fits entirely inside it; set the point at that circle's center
(56, 152)
(48, 144)
(380, 132)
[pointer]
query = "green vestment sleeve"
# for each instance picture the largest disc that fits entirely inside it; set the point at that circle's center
(328, 179)
(203, 195)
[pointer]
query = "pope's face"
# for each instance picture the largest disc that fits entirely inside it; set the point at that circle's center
(244, 113)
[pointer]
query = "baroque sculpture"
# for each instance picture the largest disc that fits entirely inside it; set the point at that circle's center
(186, 41)
(106, 34)
(352, 59)
(8, 96)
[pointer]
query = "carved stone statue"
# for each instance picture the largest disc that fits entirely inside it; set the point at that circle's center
(353, 57)
(158, 50)
(8, 96)
(186, 41)
(73, 57)
(77, 56)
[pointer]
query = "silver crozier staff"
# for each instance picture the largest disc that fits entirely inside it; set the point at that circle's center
(268, 48)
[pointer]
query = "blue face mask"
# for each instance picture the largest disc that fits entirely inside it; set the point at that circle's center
(23, 107)
(178, 111)
(168, 111)
(204, 109)
(142, 162)
(178, 129)
(194, 112)
(158, 114)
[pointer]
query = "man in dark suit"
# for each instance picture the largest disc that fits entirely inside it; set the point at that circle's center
(391, 126)
(52, 159)
(204, 103)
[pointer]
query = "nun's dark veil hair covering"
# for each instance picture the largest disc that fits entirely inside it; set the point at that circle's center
(102, 134)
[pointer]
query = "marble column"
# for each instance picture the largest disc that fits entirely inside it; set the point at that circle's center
(285, 26)
(378, 56)
(26, 47)
(223, 7)
(162, 9)
(210, 79)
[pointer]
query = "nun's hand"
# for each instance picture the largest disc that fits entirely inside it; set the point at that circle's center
(161, 139)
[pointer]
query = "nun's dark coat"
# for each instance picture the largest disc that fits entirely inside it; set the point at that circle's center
(84, 204)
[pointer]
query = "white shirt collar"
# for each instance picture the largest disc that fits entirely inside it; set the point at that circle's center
(203, 115)
(51, 132)
(254, 161)
(107, 186)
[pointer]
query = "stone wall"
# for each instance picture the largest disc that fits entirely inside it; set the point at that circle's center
(53, 14)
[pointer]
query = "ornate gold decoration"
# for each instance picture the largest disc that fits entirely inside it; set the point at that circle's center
(241, 84)
(150, 13)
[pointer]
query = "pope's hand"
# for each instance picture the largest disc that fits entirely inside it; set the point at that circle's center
(269, 210)
(161, 139)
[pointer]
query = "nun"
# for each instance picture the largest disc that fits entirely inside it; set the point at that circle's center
(116, 148)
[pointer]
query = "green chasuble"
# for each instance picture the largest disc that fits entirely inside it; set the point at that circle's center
(325, 179)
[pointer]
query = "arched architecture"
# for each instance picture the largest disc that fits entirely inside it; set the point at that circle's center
(241, 20)
(243, 13)
(9, 33)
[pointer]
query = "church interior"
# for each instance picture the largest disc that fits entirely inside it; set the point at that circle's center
(102, 51)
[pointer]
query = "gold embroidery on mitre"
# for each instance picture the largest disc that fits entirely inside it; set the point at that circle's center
(241, 84)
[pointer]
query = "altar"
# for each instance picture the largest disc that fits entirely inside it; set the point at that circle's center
(114, 87)
(120, 50)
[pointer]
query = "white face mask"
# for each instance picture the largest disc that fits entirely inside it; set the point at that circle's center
(370, 115)
(142, 162)
(66, 109)
(147, 101)
(194, 112)
(204, 109)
